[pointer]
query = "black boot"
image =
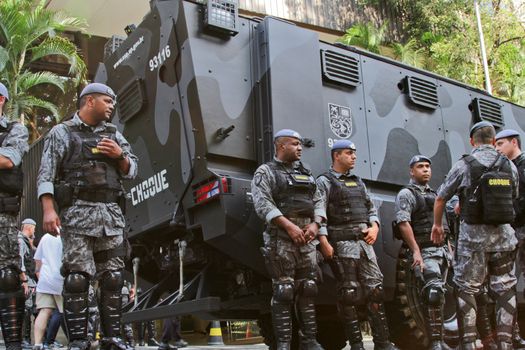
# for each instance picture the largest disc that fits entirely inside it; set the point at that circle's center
(467, 333)
(483, 323)
(517, 341)
(111, 310)
(282, 324)
(352, 327)
(435, 327)
(378, 322)
(12, 304)
(305, 310)
(76, 294)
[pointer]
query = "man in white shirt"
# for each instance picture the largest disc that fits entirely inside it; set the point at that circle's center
(48, 258)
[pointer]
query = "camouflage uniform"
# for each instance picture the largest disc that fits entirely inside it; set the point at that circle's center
(483, 251)
(435, 258)
(28, 266)
(12, 300)
(293, 268)
(519, 228)
(356, 264)
(89, 228)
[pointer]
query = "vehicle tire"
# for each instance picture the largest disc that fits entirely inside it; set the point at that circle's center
(406, 313)
(330, 329)
(265, 325)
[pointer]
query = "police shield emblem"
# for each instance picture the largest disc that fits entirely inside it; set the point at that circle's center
(340, 120)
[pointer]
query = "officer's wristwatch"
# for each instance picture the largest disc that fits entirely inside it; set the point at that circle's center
(122, 156)
(318, 224)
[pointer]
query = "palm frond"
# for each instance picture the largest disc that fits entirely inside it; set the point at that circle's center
(27, 80)
(61, 47)
(4, 57)
(28, 104)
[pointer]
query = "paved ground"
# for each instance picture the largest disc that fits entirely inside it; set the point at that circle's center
(259, 346)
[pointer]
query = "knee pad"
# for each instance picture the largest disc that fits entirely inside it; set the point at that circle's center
(309, 288)
(112, 281)
(76, 282)
(351, 296)
(283, 292)
(376, 294)
(434, 296)
(9, 280)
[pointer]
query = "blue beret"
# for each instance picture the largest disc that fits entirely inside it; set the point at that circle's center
(287, 133)
(419, 158)
(3, 91)
(479, 125)
(29, 221)
(97, 88)
(507, 133)
(343, 144)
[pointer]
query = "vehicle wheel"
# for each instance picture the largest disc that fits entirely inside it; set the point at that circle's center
(330, 329)
(406, 314)
(265, 325)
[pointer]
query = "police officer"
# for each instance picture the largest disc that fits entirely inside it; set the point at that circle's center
(352, 229)
(508, 143)
(13, 282)
(83, 163)
(285, 196)
(486, 183)
(25, 240)
(414, 217)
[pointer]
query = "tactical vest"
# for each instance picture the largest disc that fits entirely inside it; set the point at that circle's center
(85, 172)
(488, 200)
(11, 180)
(29, 261)
(519, 203)
(346, 202)
(422, 216)
(294, 191)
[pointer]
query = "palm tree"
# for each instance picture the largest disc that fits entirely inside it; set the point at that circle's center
(28, 33)
(366, 36)
(408, 53)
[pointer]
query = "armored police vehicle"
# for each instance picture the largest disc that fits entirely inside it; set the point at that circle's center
(201, 90)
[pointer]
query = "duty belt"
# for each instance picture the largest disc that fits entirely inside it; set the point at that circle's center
(104, 196)
(9, 205)
(275, 231)
(354, 233)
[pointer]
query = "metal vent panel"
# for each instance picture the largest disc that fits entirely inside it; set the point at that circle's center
(488, 111)
(340, 68)
(422, 92)
(222, 16)
(131, 99)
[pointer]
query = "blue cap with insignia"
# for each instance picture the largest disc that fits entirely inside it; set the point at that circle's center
(343, 144)
(419, 158)
(479, 125)
(3, 91)
(97, 88)
(507, 133)
(287, 133)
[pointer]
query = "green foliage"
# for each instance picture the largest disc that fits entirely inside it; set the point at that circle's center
(28, 33)
(443, 38)
(366, 36)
